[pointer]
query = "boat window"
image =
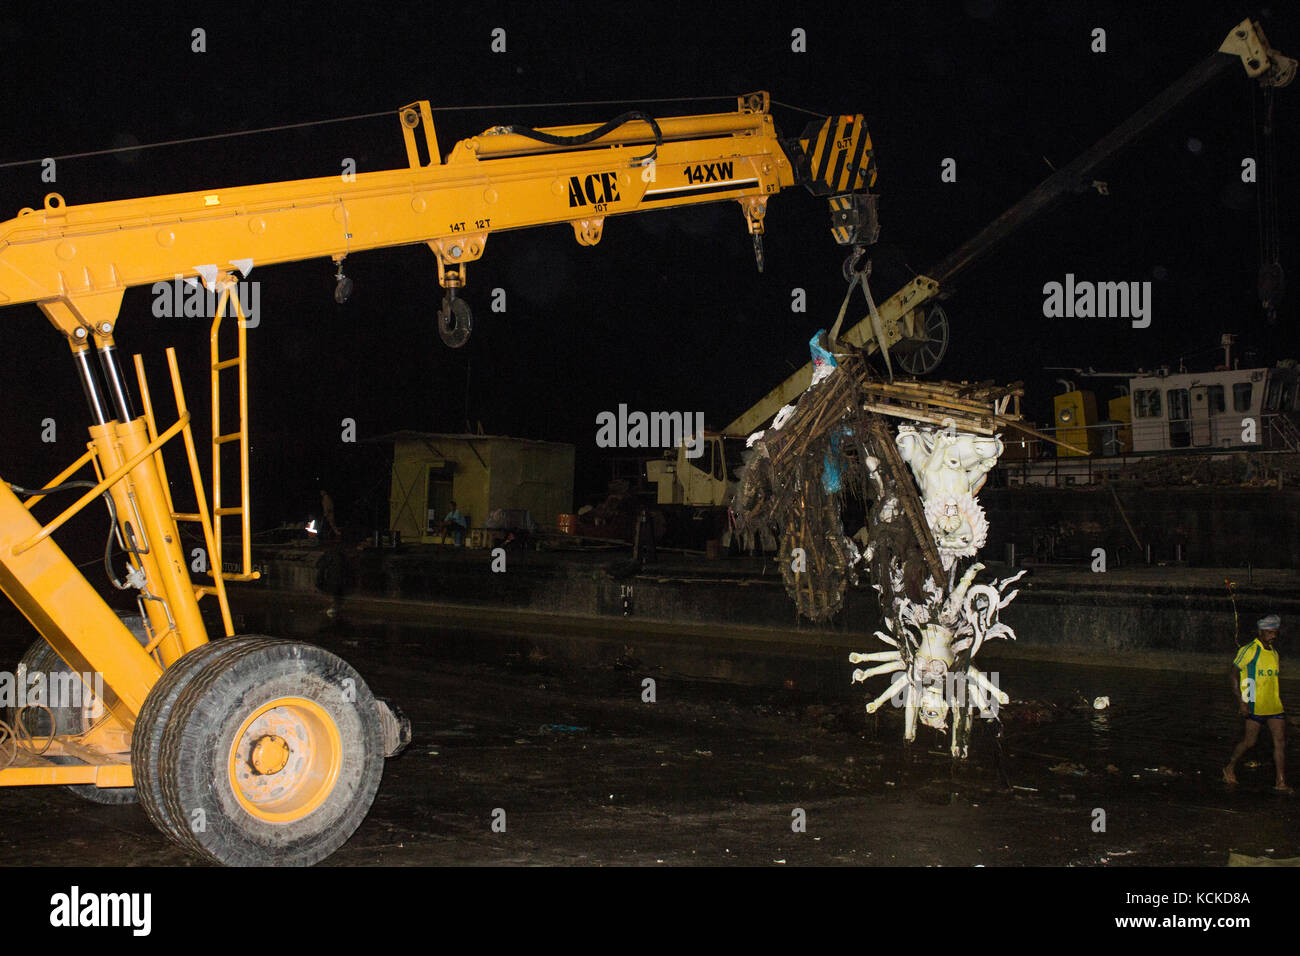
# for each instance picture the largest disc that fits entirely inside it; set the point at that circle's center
(1281, 394)
(1146, 403)
(1272, 394)
(1180, 428)
(1241, 396)
(1215, 393)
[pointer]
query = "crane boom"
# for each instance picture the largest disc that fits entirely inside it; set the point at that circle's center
(75, 261)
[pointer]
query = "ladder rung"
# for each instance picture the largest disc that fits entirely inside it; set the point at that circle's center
(251, 576)
(222, 512)
(181, 516)
(227, 363)
(223, 439)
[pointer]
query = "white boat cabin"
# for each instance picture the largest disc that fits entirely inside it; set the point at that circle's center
(1225, 409)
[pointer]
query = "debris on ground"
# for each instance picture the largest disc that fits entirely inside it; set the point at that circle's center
(1029, 713)
(1240, 859)
(1069, 767)
(1111, 854)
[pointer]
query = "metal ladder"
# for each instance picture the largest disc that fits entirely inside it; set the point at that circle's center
(1287, 431)
(226, 284)
(201, 516)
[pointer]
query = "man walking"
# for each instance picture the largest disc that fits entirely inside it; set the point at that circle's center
(327, 508)
(1255, 684)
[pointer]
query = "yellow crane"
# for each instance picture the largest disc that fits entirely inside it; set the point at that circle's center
(251, 749)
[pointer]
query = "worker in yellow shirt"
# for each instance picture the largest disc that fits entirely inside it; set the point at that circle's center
(1255, 684)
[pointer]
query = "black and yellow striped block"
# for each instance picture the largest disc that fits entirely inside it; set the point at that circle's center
(853, 219)
(840, 157)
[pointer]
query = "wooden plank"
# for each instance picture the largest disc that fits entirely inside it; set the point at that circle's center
(975, 409)
(908, 497)
(1022, 427)
(938, 419)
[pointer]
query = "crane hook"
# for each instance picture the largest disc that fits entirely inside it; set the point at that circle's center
(343, 287)
(455, 321)
(851, 268)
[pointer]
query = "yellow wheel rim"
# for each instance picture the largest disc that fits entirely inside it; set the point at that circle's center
(285, 759)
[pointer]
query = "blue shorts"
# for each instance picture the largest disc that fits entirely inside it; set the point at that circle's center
(1264, 718)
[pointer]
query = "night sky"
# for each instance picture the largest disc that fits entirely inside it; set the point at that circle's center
(668, 311)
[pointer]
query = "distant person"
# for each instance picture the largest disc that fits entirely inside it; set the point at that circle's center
(327, 509)
(644, 543)
(455, 525)
(1255, 684)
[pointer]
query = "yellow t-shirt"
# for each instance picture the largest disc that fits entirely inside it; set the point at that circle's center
(1259, 670)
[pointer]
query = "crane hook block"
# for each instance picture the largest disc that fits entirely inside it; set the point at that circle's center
(455, 322)
(854, 220)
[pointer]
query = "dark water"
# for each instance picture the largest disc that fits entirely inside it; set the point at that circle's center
(712, 771)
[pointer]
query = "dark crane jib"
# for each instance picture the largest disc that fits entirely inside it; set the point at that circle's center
(911, 322)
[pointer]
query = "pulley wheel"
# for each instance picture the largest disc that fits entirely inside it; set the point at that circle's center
(926, 356)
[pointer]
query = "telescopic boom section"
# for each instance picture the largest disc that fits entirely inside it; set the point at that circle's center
(83, 257)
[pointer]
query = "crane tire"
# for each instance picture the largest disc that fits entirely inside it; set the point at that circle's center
(271, 755)
(151, 722)
(70, 720)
